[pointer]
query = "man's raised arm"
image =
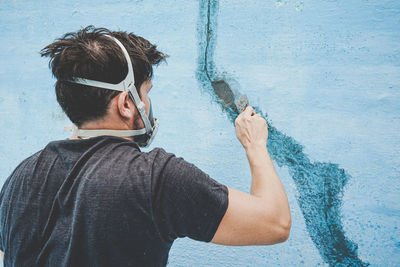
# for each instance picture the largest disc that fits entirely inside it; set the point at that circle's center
(263, 216)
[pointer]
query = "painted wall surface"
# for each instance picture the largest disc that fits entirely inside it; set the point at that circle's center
(325, 75)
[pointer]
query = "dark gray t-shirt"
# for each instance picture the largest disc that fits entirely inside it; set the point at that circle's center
(103, 202)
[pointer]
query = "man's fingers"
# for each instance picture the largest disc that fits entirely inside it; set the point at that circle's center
(249, 111)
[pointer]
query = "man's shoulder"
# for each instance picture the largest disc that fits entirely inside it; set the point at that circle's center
(26, 164)
(30, 160)
(160, 152)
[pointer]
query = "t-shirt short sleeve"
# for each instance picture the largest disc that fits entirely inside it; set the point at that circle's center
(187, 202)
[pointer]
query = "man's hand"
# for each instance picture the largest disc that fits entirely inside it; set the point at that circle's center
(251, 129)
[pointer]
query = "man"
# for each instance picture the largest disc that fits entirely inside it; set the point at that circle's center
(97, 200)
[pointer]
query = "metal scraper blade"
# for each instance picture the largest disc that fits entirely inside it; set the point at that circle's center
(242, 103)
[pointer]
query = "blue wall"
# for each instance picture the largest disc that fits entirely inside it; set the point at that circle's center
(325, 74)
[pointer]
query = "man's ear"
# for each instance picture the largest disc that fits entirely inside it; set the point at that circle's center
(126, 107)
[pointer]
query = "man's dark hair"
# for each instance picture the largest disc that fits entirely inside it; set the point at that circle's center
(89, 54)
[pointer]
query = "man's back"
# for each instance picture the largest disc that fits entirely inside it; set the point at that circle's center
(103, 202)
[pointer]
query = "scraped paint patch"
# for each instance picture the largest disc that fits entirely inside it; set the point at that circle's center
(280, 3)
(320, 185)
(299, 5)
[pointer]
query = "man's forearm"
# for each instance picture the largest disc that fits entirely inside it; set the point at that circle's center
(265, 181)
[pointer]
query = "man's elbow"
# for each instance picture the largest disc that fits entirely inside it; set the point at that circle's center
(285, 226)
(276, 231)
(281, 228)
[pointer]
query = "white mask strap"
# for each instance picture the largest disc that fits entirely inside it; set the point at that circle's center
(93, 133)
(85, 134)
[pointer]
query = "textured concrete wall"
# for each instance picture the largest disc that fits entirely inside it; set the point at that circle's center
(325, 74)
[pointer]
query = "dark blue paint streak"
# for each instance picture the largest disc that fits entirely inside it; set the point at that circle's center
(320, 185)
